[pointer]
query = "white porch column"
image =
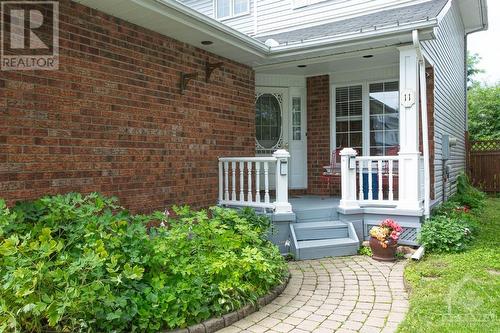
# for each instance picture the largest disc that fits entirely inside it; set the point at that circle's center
(348, 179)
(282, 206)
(409, 175)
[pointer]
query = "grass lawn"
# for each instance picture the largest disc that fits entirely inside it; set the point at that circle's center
(459, 292)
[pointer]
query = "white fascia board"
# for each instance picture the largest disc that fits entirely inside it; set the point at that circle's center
(481, 19)
(200, 21)
(340, 40)
(483, 7)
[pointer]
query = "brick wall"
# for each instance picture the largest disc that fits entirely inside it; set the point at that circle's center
(318, 135)
(112, 120)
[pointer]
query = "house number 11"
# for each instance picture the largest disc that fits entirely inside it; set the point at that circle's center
(408, 98)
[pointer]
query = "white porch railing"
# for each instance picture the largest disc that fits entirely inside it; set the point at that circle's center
(377, 178)
(378, 181)
(245, 181)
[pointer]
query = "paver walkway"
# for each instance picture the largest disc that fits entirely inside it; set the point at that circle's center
(347, 294)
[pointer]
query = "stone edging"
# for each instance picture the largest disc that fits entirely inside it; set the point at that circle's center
(214, 324)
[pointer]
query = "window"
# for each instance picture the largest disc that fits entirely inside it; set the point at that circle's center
(267, 121)
(384, 118)
(348, 116)
(231, 8)
(296, 118)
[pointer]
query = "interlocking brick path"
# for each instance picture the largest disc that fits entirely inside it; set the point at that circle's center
(346, 294)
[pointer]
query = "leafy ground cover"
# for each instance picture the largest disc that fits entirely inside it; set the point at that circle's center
(459, 292)
(78, 263)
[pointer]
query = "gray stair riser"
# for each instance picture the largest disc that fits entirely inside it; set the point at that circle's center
(321, 233)
(319, 219)
(330, 251)
(319, 214)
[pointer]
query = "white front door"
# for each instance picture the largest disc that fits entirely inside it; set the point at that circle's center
(281, 124)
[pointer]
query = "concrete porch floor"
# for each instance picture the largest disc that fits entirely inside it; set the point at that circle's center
(307, 202)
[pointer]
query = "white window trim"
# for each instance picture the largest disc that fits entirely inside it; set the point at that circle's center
(365, 115)
(231, 11)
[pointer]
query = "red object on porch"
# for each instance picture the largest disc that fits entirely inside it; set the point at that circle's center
(331, 173)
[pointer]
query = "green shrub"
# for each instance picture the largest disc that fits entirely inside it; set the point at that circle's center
(77, 263)
(450, 232)
(365, 251)
(467, 194)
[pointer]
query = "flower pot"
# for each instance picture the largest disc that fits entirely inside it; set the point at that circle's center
(383, 253)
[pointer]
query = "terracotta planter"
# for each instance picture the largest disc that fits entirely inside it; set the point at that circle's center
(383, 254)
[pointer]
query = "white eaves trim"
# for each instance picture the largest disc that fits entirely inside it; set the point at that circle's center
(183, 10)
(354, 37)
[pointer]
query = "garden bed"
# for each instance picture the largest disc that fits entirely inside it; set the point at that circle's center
(83, 264)
(214, 324)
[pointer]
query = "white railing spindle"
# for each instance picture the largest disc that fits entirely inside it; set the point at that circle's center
(266, 182)
(221, 182)
(257, 181)
(379, 172)
(391, 191)
(242, 181)
(249, 169)
(226, 181)
(233, 178)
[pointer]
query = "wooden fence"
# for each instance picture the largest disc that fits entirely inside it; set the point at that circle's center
(484, 164)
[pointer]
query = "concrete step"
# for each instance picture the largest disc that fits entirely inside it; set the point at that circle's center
(321, 248)
(314, 240)
(320, 230)
(316, 214)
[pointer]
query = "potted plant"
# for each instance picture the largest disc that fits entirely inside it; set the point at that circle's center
(384, 240)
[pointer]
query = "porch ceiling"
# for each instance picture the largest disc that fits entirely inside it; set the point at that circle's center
(348, 62)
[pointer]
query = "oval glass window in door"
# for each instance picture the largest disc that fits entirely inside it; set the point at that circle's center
(267, 121)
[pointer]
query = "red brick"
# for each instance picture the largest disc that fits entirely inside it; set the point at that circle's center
(112, 118)
(318, 136)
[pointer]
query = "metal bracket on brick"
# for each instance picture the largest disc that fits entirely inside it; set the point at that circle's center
(210, 67)
(185, 78)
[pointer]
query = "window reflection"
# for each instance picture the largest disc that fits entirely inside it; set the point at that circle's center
(384, 118)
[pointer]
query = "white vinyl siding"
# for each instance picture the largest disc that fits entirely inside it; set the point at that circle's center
(244, 23)
(447, 53)
(206, 7)
(282, 15)
(302, 3)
